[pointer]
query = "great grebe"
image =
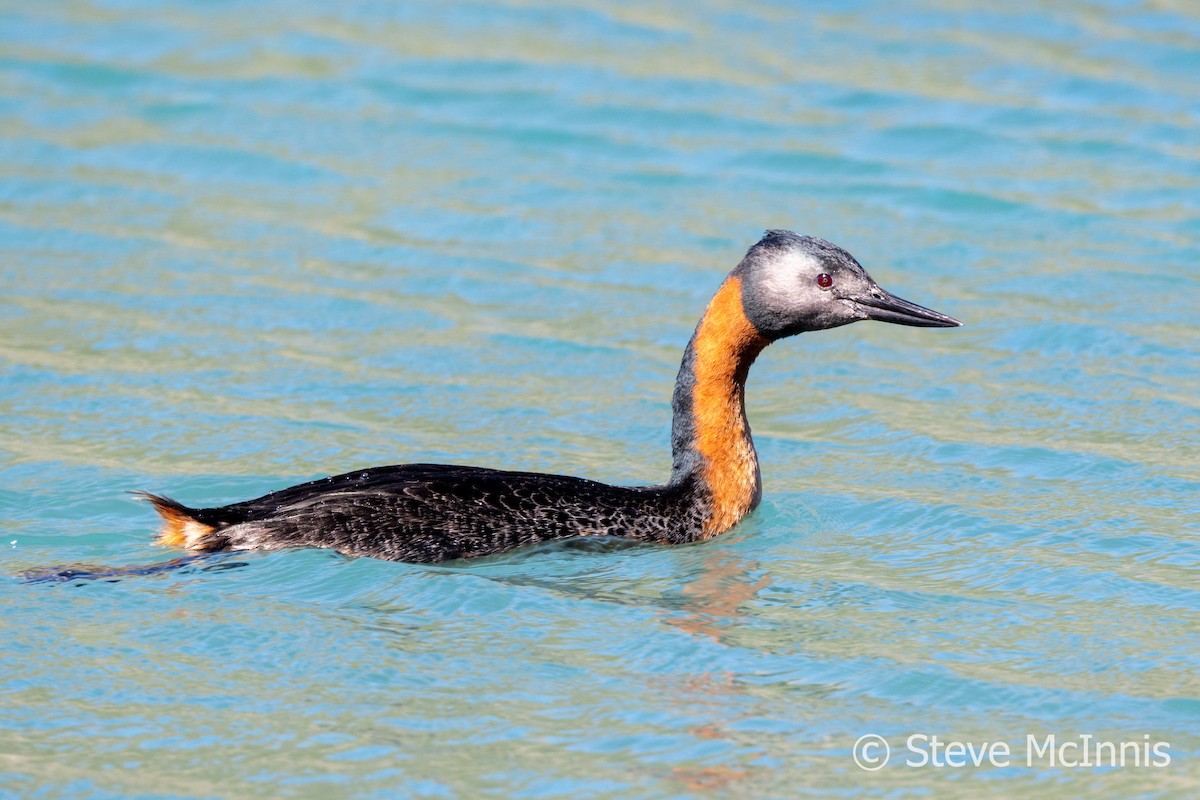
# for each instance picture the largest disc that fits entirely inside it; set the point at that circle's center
(786, 284)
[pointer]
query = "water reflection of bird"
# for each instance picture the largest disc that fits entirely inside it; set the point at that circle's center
(786, 284)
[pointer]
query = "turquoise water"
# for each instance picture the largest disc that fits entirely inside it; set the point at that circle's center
(248, 244)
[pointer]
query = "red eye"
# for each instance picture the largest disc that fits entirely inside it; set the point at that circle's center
(824, 281)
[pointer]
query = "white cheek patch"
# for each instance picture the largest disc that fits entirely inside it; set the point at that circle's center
(784, 277)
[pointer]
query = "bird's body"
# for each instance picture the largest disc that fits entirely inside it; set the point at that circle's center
(435, 512)
(432, 512)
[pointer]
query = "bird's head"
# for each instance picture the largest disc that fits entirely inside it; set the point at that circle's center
(793, 283)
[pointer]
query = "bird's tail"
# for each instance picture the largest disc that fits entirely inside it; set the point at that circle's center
(180, 526)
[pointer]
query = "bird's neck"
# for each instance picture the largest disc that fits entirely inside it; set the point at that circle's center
(710, 437)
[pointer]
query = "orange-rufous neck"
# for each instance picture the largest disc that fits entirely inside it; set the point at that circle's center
(712, 435)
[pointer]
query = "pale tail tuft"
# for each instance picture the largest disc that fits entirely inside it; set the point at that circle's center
(180, 528)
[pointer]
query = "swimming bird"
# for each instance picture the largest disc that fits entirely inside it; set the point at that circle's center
(786, 284)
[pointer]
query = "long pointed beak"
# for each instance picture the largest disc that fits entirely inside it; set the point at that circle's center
(886, 307)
